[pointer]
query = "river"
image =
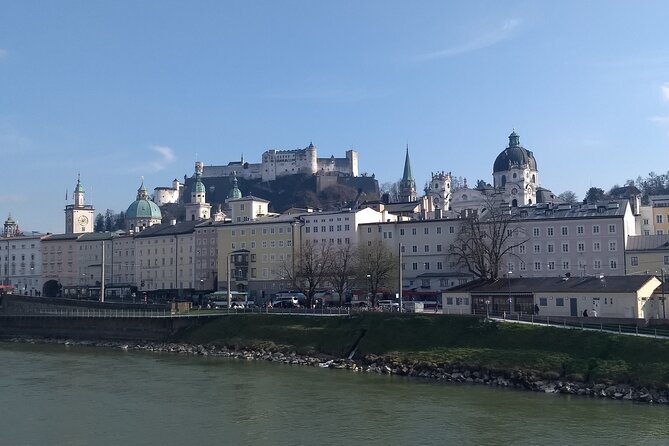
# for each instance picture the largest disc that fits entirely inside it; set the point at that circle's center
(66, 395)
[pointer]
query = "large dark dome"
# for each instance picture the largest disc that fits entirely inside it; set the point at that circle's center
(514, 155)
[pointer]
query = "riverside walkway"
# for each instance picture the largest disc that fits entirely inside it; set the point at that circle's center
(587, 324)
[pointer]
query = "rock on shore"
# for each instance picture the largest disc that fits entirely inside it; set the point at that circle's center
(374, 364)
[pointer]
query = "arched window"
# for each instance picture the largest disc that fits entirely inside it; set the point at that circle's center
(514, 203)
(533, 178)
(503, 180)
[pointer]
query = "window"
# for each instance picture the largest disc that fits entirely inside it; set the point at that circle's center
(549, 232)
(537, 248)
(579, 230)
(612, 246)
(550, 247)
(596, 246)
(580, 247)
(543, 301)
(595, 229)
(645, 221)
(439, 230)
(634, 260)
(564, 230)
(597, 264)
(666, 260)
(521, 249)
(401, 231)
(522, 266)
(565, 247)
(414, 266)
(426, 265)
(551, 265)
(537, 266)
(425, 283)
(658, 219)
(613, 264)
(369, 231)
(427, 231)
(535, 232)
(427, 248)
(414, 248)
(413, 231)
(559, 301)
(612, 229)
(440, 265)
(438, 248)
(451, 229)
(565, 264)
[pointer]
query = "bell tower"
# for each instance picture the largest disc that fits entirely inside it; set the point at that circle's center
(78, 216)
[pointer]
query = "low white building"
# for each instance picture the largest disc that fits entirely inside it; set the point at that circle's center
(592, 296)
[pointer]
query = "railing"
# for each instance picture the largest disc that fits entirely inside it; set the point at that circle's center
(129, 313)
(584, 324)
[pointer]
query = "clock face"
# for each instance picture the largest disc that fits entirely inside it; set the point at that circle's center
(436, 200)
(83, 220)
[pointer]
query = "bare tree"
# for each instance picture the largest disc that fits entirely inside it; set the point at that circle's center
(568, 196)
(483, 242)
(310, 268)
(342, 270)
(376, 265)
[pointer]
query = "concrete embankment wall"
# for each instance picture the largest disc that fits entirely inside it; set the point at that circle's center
(63, 318)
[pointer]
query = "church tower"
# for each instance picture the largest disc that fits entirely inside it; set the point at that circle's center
(407, 184)
(439, 191)
(198, 208)
(78, 216)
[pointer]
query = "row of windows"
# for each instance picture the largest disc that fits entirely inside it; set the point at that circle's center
(330, 228)
(634, 260)
(414, 248)
(565, 264)
(265, 231)
(23, 246)
(580, 230)
(426, 266)
(564, 247)
(264, 244)
(322, 220)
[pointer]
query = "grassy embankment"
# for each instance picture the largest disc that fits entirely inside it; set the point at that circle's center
(569, 354)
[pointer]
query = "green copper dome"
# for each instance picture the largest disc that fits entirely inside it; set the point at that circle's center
(79, 188)
(143, 207)
(235, 192)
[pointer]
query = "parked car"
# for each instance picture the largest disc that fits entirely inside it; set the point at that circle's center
(389, 305)
(292, 299)
(285, 304)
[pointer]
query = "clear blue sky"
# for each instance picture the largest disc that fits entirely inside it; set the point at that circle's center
(117, 90)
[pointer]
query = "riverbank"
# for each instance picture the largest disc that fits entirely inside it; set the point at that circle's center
(513, 379)
(442, 348)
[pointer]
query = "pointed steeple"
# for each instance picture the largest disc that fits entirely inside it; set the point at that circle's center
(79, 188)
(142, 193)
(407, 176)
(407, 184)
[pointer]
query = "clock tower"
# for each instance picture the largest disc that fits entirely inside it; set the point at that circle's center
(78, 216)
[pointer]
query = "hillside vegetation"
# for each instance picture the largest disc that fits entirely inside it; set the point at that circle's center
(467, 341)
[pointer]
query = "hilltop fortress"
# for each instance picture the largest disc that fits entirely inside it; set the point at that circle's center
(279, 163)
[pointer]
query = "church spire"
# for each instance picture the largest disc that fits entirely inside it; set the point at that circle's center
(407, 176)
(407, 184)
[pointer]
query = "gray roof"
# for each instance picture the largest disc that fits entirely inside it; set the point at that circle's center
(185, 227)
(562, 211)
(55, 237)
(95, 236)
(648, 242)
(587, 284)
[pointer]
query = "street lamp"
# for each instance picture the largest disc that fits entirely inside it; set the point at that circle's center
(509, 280)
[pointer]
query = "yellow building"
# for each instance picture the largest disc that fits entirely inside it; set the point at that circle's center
(660, 207)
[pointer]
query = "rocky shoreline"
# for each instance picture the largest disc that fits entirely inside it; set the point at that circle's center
(374, 364)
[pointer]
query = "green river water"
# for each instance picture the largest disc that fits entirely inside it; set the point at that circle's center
(60, 395)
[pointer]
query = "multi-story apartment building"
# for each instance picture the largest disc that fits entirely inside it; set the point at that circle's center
(660, 213)
(569, 239)
(424, 244)
(256, 252)
(647, 254)
(206, 257)
(260, 251)
(165, 260)
(21, 259)
(60, 270)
